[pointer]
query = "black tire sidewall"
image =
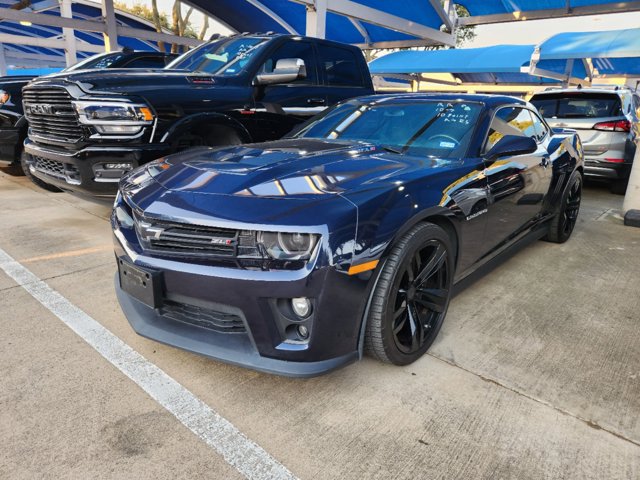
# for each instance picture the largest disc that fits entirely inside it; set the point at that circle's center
(418, 237)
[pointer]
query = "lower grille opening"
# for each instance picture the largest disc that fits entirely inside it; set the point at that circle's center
(65, 171)
(203, 317)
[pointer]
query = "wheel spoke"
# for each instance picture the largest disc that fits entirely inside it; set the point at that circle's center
(416, 327)
(433, 298)
(401, 323)
(433, 265)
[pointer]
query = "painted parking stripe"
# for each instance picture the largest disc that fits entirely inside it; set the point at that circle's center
(246, 456)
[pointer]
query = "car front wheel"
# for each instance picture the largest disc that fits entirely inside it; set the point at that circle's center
(565, 219)
(411, 297)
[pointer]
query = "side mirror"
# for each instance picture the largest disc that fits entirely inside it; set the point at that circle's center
(287, 70)
(511, 145)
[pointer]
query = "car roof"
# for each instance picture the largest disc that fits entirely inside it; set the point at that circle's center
(489, 100)
(578, 91)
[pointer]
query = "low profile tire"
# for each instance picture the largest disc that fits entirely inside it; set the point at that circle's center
(411, 298)
(564, 222)
(619, 187)
(37, 181)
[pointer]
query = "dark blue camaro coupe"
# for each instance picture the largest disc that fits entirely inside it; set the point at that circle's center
(296, 256)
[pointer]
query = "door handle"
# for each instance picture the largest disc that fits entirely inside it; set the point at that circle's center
(316, 101)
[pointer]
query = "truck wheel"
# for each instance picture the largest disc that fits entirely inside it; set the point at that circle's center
(37, 181)
(219, 135)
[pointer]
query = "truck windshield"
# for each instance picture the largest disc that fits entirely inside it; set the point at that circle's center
(225, 57)
(101, 60)
(437, 128)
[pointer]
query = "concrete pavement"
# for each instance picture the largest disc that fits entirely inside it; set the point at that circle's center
(535, 374)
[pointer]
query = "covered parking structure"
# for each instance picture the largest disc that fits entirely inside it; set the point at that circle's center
(45, 46)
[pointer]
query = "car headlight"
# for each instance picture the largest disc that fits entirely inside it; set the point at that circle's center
(114, 117)
(288, 246)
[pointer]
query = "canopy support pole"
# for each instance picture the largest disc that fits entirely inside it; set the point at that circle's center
(111, 33)
(631, 205)
(317, 19)
(3, 61)
(68, 34)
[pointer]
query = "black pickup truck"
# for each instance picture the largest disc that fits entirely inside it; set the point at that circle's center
(13, 125)
(87, 129)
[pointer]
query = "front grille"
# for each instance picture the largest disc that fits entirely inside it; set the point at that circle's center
(203, 317)
(196, 240)
(65, 171)
(51, 115)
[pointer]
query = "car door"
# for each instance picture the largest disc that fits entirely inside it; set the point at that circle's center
(279, 108)
(517, 184)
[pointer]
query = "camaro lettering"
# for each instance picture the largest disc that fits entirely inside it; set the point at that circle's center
(477, 214)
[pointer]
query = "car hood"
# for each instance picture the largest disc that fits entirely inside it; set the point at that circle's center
(128, 80)
(288, 168)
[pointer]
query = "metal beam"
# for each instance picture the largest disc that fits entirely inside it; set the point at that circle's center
(396, 44)
(36, 57)
(51, 20)
(619, 7)
(68, 35)
(3, 61)
(277, 18)
(111, 34)
(382, 19)
(442, 13)
(316, 20)
(361, 30)
(48, 43)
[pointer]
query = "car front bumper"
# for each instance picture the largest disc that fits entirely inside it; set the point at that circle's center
(256, 298)
(83, 171)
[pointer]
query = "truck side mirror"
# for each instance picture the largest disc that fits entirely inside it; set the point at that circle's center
(287, 70)
(510, 146)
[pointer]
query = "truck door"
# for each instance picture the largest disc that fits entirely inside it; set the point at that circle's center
(517, 184)
(279, 108)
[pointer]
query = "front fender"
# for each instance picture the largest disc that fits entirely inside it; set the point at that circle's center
(186, 124)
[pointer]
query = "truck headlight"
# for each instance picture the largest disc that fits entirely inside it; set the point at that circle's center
(108, 115)
(288, 246)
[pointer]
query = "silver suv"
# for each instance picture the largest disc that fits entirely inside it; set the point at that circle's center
(607, 121)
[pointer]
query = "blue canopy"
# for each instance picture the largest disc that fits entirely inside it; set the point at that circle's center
(285, 16)
(614, 52)
(493, 7)
(497, 64)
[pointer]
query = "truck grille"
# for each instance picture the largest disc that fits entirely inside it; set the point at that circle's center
(203, 317)
(196, 240)
(51, 115)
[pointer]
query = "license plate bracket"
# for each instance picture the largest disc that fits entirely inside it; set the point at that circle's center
(143, 284)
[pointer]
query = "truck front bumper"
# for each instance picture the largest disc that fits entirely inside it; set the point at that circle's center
(93, 171)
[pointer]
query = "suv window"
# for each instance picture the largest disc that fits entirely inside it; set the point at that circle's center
(510, 121)
(578, 105)
(295, 49)
(146, 62)
(538, 124)
(341, 67)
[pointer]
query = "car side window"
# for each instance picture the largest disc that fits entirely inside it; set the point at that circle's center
(295, 49)
(341, 67)
(510, 121)
(146, 62)
(540, 127)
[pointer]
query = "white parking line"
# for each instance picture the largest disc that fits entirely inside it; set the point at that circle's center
(246, 456)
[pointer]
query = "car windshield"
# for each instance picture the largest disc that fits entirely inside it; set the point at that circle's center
(102, 60)
(578, 105)
(224, 57)
(438, 128)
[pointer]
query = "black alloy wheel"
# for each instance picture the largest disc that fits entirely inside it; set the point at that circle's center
(565, 220)
(411, 299)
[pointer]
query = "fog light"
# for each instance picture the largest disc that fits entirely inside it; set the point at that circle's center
(117, 166)
(301, 306)
(303, 331)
